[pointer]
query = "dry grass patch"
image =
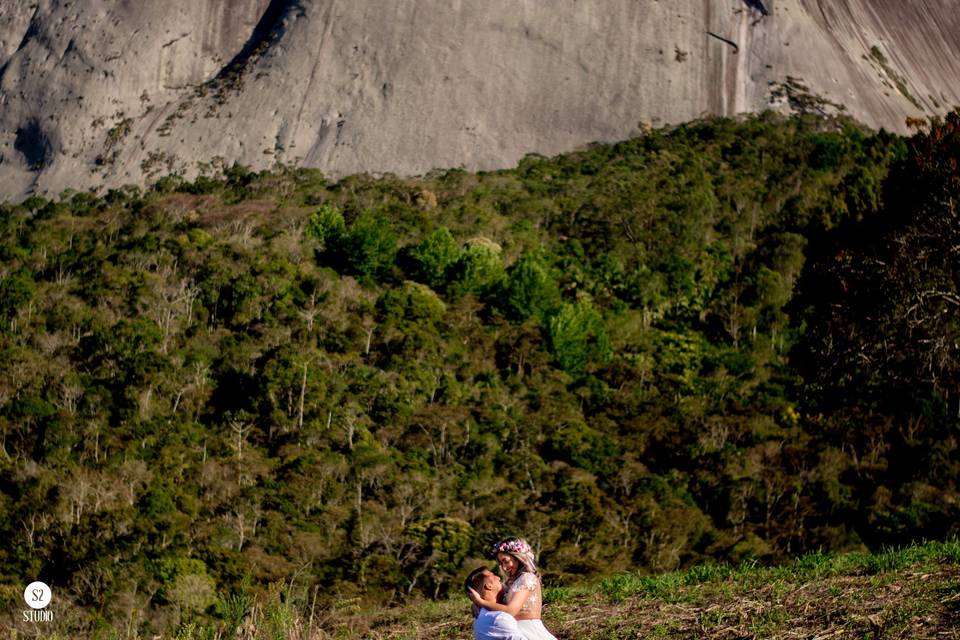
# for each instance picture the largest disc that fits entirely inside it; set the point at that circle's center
(908, 594)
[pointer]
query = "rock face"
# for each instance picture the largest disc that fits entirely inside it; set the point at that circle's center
(100, 94)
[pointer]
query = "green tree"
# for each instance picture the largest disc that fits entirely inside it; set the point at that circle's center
(16, 290)
(578, 336)
(326, 225)
(531, 288)
(444, 544)
(478, 270)
(433, 257)
(368, 249)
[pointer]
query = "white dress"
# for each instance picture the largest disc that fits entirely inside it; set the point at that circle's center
(534, 630)
(533, 605)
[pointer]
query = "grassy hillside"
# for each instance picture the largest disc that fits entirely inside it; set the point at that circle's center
(911, 593)
(729, 341)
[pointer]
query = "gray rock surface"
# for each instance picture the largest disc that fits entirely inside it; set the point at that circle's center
(96, 94)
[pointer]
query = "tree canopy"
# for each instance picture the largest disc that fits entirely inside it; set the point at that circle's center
(728, 340)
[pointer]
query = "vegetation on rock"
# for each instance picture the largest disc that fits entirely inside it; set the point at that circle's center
(731, 340)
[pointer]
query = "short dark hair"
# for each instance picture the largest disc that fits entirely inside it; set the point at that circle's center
(475, 579)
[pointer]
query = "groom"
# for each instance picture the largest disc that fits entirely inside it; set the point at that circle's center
(491, 625)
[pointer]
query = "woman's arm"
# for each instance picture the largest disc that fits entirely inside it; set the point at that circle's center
(513, 607)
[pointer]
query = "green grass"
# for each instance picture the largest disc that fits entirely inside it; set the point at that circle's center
(909, 592)
(904, 593)
(897, 592)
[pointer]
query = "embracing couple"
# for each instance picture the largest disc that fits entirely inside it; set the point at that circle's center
(508, 610)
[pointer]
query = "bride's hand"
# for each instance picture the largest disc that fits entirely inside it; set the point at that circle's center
(476, 598)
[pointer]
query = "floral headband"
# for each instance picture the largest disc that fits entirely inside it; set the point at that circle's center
(512, 546)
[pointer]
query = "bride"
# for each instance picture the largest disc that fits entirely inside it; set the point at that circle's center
(522, 595)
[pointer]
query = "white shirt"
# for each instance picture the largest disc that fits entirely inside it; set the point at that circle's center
(496, 625)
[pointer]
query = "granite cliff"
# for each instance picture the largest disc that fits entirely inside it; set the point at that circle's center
(98, 94)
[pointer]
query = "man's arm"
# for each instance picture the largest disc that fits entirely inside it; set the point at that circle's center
(513, 607)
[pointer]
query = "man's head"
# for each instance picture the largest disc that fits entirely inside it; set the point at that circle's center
(484, 582)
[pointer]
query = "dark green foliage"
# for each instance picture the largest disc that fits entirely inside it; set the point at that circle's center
(16, 290)
(433, 257)
(530, 289)
(413, 305)
(367, 249)
(478, 270)
(445, 543)
(897, 279)
(578, 336)
(732, 339)
(585, 448)
(881, 353)
(326, 225)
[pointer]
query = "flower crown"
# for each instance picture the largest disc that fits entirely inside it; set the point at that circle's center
(512, 546)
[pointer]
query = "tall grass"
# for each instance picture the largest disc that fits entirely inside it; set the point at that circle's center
(281, 615)
(669, 587)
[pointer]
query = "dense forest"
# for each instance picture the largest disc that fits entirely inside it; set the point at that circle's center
(731, 340)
